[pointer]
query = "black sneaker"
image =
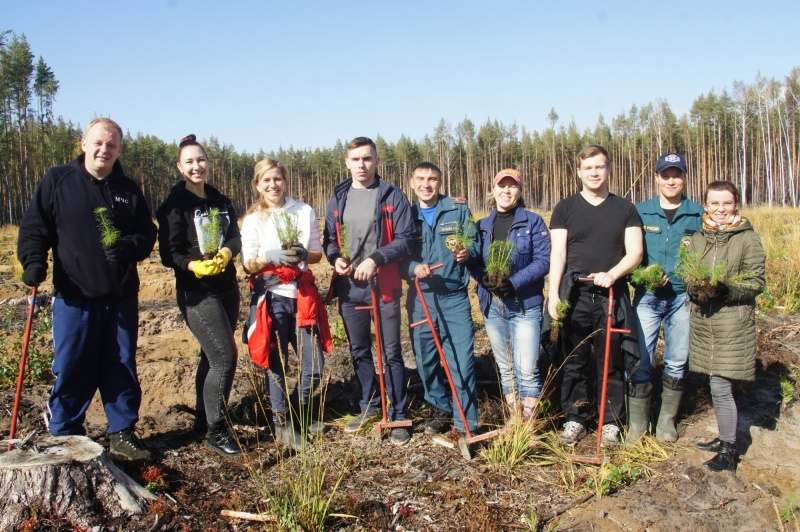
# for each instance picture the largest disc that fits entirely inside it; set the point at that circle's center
(358, 422)
(125, 443)
(400, 436)
(434, 426)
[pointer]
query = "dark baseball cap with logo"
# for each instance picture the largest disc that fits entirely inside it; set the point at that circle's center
(671, 160)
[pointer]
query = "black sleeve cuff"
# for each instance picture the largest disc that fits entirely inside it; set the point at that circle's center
(378, 259)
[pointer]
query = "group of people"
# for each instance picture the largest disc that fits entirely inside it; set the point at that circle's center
(375, 239)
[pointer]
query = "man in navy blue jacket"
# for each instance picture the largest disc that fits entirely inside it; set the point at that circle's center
(379, 235)
(95, 312)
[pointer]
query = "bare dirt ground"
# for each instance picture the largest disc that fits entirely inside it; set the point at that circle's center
(423, 486)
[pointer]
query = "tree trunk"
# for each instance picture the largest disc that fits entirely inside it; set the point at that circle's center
(72, 478)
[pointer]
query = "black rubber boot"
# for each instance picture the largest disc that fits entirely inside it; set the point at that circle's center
(287, 434)
(670, 402)
(725, 460)
(711, 446)
(220, 440)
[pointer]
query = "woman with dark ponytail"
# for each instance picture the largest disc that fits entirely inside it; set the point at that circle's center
(198, 236)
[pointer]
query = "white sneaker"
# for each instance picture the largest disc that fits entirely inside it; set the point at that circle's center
(573, 433)
(610, 437)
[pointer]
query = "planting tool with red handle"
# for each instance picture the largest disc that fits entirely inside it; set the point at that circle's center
(384, 423)
(463, 443)
(598, 457)
(22, 361)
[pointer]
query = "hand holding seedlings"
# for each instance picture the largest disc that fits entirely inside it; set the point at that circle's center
(650, 277)
(206, 268)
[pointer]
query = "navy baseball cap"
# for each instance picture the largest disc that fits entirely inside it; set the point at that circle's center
(671, 160)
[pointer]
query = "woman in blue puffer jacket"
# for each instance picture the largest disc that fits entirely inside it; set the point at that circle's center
(512, 308)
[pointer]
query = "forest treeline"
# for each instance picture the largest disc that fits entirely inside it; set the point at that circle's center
(749, 134)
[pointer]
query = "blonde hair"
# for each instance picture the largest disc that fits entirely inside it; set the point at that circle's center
(261, 168)
(107, 122)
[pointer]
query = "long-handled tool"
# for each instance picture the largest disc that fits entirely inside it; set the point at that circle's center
(463, 443)
(598, 457)
(384, 423)
(22, 361)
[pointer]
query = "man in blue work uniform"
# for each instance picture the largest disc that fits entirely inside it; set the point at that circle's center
(439, 219)
(668, 219)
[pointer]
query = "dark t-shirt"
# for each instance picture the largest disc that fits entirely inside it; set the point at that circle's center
(502, 224)
(595, 233)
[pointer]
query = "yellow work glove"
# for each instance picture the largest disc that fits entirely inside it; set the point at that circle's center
(206, 268)
(222, 259)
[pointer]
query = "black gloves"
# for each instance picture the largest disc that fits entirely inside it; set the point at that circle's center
(302, 252)
(722, 291)
(505, 289)
(34, 275)
(121, 251)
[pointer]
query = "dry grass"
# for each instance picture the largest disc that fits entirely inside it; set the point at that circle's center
(780, 233)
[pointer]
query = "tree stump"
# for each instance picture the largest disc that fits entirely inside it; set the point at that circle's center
(71, 477)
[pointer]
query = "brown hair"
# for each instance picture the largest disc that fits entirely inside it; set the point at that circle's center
(361, 141)
(592, 150)
(261, 168)
(722, 186)
(189, 140)
(108, 123)
(427, 166)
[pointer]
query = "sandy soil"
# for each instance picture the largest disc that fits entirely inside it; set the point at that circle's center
(422, 486)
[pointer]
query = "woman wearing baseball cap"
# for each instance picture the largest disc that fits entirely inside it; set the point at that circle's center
(512, 306)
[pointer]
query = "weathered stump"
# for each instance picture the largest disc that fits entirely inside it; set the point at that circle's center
(71, 477)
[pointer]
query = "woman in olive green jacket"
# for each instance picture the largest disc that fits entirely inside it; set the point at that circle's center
(723, 328)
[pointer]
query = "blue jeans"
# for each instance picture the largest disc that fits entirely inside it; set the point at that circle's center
(95, 348)
(673, 313)
(514, 334)
(306, 345)
(211, 316)
(357, 325)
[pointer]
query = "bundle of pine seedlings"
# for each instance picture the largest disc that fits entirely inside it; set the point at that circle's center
(650, 277)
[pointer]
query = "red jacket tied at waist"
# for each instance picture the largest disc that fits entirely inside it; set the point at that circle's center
(310, 312)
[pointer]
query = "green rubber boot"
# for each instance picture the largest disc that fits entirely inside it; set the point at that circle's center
(638, 412)
(670, 403)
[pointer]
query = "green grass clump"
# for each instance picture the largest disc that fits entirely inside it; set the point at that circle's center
(650, 277)
(108, 233)
(212, 234)
(40, 353)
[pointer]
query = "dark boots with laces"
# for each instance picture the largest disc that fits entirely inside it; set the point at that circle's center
(725, 460)
(125, 443)
(220, 440)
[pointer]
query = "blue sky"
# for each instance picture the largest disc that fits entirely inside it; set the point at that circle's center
(264, 74)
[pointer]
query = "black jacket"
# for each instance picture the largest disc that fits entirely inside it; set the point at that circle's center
(61, 217)
(178, 244)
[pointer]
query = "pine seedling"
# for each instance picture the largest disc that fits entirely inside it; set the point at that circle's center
(562, 309)
(286, 225)
(212, 234)
(706, 277)
(344, 248)
(649, 277)
(499, 263)
(463, 236)
(108, 233)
